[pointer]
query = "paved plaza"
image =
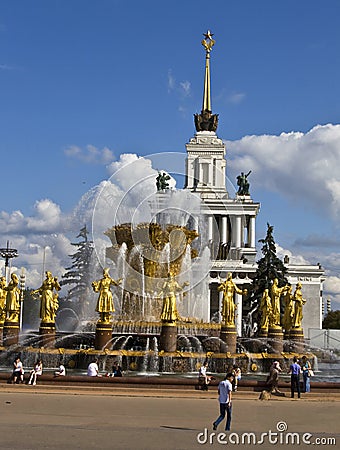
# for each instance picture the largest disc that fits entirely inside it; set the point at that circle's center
(43, 417)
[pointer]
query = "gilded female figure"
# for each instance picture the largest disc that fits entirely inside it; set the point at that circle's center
(13, 299)
(266, 310)
(3, 295)
(228, 287)
(168, 293)
(299, 301)
(276, 292)
(289, 309)
(105, 304)
(49, 299)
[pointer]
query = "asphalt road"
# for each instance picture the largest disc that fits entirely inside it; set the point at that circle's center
(38, 418)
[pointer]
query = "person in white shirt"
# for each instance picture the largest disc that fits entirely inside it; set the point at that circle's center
(61, 372)
(92, 369)
(35, 372)
(18, 371)
(224, 397)
(203, 378)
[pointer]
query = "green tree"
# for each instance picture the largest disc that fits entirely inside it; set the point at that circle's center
(332, 320)
(78, 275)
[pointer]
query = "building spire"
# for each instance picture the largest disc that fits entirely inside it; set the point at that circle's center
(206, 121)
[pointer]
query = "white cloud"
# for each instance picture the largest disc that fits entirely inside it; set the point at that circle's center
(293, 259)
(237, 97)
(186, 87)
(90, 154)
(183, 87)
(171, 81)
(297, 165)
(46, 219)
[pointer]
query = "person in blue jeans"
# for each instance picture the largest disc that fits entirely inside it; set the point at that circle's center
(295, 370)
(224, 397)
(306, 367)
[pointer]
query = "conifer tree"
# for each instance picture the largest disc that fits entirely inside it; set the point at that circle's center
(269, 267)
(78, 274)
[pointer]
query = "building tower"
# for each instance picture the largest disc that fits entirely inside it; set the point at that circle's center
(230, 221)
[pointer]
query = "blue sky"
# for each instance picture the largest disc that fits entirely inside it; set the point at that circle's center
(83, 82)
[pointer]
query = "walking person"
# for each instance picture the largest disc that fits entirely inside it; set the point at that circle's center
(295, 370)
(224, 397)
(306, 369)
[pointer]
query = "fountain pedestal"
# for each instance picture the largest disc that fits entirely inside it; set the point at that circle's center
(229, 336)
(275, 339)
(11, 333)
(168, 337)
(263, 333)
(103, 335)
(47, 334)
(297, 339)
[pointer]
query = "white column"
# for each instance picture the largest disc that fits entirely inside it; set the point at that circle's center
(251, 232)
(238, 226)
(196, 223)
(224, 229)
(210, 228)
(238, 314)
(221, 173)
(211, 173)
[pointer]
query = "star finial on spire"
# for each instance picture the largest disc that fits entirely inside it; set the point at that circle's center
(208, 42)
(208, 35)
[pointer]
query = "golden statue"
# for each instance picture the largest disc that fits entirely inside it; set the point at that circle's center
(168, 293)
(228, 287)
(3, 295)
(266, 310)
(288, 315)
(105, 304)
(49, 299)
(275, 295)
(13, 299)
(299, 301)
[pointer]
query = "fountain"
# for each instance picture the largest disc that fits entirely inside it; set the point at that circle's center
(140, 335)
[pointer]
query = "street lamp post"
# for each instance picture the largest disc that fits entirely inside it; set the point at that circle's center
(8, 253)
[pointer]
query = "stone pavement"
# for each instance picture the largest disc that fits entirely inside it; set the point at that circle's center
(63, 417)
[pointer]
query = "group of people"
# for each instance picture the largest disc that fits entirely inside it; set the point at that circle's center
(295, 369)
(93, 370)
(229, 385)
(19, 372)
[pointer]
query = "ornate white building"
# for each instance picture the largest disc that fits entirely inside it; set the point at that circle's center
(231, 222)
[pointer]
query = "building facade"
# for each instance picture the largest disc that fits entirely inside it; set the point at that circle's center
(231, 222)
